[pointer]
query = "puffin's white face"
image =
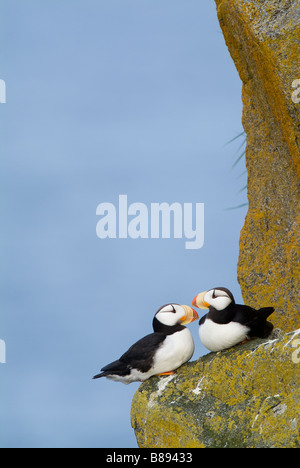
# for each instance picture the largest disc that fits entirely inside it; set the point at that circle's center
(219, 299)
(172, 314)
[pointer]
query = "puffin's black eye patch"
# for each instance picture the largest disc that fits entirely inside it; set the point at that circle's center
(168, 308)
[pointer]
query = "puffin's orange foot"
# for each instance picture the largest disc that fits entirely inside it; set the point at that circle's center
(245, 341)
(167, 373)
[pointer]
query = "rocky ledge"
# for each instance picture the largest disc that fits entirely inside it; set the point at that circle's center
(246, 397)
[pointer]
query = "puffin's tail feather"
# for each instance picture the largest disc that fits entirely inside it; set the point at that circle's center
(114, 368)
(98, 376)
(266, 311)
(268, 327)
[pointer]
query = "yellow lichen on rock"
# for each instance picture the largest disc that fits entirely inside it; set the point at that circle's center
(264, 41)
(247, 396)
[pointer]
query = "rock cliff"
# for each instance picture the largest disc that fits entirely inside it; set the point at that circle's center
(245, 397)
(263, 38)
(248, 396)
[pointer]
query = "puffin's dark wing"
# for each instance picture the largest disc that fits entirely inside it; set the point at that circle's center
(256, 320)
(202, 320)
(140, 355)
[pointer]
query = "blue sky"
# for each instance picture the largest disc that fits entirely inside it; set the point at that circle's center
(105, 98)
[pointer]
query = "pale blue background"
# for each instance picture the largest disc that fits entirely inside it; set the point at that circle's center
(104, 97)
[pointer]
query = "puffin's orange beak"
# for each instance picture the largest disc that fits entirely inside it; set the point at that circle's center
(194, 303)
(190, 315)
(199, 302)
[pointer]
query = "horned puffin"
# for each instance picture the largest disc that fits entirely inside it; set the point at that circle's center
(161, 352)
(227, 323)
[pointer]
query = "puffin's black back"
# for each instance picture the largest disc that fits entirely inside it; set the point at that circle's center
(256, 320)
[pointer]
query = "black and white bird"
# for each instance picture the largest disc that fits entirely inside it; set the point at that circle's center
(227, 323)
(159, 353)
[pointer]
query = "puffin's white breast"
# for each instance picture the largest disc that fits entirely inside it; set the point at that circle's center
(217, 337)
(177, 349)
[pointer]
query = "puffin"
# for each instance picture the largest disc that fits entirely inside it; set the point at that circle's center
(227, 323)
(159, 353)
